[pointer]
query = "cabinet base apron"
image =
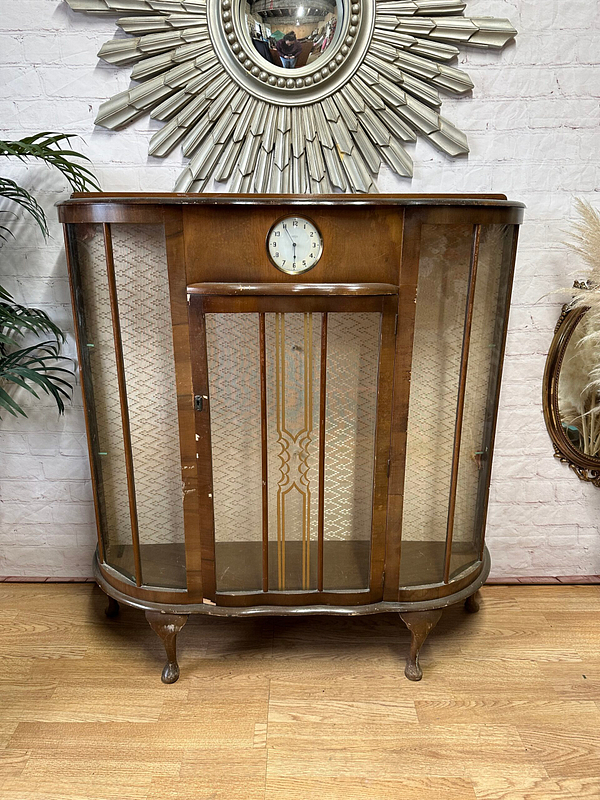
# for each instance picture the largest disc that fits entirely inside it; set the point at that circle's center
(420, 616)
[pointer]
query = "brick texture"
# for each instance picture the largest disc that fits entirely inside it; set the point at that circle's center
(532, 122)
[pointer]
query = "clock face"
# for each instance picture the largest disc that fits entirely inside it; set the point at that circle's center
(294, 245)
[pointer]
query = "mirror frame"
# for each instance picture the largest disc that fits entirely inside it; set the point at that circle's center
(586, 468)
(277, 85)
(327, 127)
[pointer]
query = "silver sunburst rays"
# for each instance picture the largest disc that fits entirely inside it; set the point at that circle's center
(324, 128)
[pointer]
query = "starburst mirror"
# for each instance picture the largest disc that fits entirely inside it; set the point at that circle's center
(292, 95)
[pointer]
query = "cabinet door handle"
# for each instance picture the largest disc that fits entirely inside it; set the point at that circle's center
(198, 402)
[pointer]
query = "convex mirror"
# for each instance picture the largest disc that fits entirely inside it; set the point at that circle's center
(291, 34)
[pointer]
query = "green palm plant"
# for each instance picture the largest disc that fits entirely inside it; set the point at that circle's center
(36, 366)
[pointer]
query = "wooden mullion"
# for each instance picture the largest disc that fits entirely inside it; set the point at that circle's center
(460, 405)
(118, 343)
(409, 271)
(322, 420)
(264, 461)
(385, 376)
(175, 245)
(204, 446)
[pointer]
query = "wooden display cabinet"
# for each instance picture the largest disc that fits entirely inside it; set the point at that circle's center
(290, 400)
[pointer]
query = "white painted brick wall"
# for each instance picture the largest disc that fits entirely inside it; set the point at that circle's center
(532, 122)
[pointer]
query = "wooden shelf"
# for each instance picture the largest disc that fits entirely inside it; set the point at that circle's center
(289, 289)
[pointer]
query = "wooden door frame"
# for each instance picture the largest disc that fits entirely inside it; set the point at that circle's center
(381, 298)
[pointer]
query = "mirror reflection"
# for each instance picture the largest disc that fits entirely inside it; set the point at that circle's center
(290, 34)
(578, 397)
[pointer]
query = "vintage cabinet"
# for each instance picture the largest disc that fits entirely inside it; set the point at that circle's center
(290, 438)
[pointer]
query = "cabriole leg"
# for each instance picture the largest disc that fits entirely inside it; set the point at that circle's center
(112, 609)
(419, 623)
(167, 626)
(472, 603)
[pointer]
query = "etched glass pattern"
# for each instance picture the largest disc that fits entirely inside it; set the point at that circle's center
(141, 276)
(292, 363)
(233, 350)
(352, 367)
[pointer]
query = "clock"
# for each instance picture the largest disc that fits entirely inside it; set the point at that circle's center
(294, 245)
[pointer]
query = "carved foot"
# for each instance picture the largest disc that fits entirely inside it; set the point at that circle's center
(419, 623)
(472, 603)
(112, 609)
(167, 626)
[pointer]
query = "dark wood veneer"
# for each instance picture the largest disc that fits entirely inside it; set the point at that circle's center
(217, 263)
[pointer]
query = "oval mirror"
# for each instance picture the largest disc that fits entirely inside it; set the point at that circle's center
(570, 407)
(292, 33)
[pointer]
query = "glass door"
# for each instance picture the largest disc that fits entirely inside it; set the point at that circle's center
(293, 408)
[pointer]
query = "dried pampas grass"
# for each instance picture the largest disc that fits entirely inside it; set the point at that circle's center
(579, 384)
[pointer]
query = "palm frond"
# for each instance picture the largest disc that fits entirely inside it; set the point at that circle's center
(16, 320)
(48, 147)
(17, 194)
(34, 366)
(37, 366)
(4, 231)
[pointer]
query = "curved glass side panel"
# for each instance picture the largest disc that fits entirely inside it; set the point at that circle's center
(141, 427)
(442, 292)
(142, 282)
(99, 374)
(492, 291)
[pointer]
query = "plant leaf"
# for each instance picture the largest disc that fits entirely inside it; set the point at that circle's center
(15, 318)
(49, 147)
(7, 402)
(37, 365)
(17, 194)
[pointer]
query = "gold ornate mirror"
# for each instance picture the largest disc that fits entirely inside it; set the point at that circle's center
(282, 96)
(571, 409)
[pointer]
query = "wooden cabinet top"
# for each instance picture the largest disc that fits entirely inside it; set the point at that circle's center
(68, 212)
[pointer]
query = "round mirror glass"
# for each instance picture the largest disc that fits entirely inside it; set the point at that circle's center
(578, 401)
(290, 33)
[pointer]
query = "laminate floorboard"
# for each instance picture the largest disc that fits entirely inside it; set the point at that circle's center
(311, 708)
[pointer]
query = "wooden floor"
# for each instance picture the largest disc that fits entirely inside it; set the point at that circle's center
(300, 709)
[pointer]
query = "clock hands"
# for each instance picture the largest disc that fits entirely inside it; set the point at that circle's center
(293, 244)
